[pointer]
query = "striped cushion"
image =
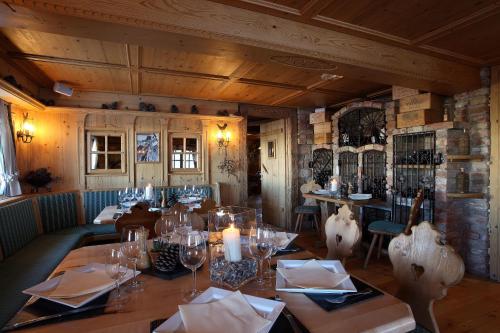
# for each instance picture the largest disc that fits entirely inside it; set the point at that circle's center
(58, 211)
(17, 226)
(95, 201)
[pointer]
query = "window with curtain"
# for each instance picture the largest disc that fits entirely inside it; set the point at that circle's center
(105, 152)
(184, 153)
(9, 183)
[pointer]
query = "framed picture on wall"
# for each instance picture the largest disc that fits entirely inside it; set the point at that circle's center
(147, 147)
(271, 149)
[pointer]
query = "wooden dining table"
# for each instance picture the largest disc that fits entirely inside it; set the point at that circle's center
(324, 200)
(160, 300)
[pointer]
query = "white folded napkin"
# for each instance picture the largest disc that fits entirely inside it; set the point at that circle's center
(74, 283)
(230, 314)
(312, 275)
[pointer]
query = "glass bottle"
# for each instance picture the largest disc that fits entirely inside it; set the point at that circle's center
(462, 181)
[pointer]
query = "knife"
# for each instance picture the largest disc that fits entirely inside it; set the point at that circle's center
(55, 316)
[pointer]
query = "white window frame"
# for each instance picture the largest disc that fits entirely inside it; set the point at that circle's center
(199, 153)
(106, 153)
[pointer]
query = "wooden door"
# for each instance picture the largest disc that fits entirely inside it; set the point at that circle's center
(273, 169)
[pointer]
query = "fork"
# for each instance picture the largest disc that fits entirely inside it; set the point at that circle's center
(343, 298)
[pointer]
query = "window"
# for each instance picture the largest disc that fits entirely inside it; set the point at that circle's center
(184, 153)
(105, 152)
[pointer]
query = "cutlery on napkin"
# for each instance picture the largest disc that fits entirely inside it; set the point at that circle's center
(77, 283)
(232, 312)
(312, 275)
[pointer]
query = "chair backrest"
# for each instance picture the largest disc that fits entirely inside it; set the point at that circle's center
(414, 211)
(139, 215)
(425, 269)
(342, 234)
(307, 188)
(206, 205)
(197, 222)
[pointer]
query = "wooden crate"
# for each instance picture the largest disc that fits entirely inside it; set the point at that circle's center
(418, 118)
(322, 128)
(420, 102)
(320, 117)
(322, 138)
(400, 92)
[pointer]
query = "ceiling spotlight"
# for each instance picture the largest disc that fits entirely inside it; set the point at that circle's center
(329, 76)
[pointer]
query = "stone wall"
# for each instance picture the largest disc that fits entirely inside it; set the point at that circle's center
(305, 138)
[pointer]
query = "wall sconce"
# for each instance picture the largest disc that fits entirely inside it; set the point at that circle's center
(223, 136)
(27, 130)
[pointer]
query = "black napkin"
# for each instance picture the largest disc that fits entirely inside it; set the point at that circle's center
(290, 249)
(360, 286)
(43, 307)
(177, 272)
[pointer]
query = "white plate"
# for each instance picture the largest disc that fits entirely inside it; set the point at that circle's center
(360, 196)
(43, 289)
(266, 308)
(291, 237)
(331, 265)
(321, 192)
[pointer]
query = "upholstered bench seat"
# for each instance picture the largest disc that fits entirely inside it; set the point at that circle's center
(386, 227)
(31, 265)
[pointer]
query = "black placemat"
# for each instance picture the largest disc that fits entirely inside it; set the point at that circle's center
(360, 286)
(177, 272)
(290, 249)
(281, 325)
(43, 307)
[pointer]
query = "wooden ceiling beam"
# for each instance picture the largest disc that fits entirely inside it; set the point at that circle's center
(310, 88)
(314, 7)
(462, 22)
(238, 30)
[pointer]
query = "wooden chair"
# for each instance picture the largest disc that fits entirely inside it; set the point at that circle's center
(342, 234)
(425, 269)
(139, 215)
(206, 205)
(310, 206)
(388, 228)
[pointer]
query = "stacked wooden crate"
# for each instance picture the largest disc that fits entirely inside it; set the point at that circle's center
(321, 120)
(416, 109)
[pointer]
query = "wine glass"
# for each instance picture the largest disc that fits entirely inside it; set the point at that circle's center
(116, 268)
(276, 246)
(165, 226)
(139, 194)
(192, 253)
(132, 237)
(261, 246)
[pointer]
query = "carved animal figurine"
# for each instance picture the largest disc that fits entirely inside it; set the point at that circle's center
(425, 269)
(174, 109)
(309, 187)
(342, 234)
(194, 109)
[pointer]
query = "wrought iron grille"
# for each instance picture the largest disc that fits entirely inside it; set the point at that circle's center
(414, 169)
(322, 165)
(373, 174)
(348, 168)
(362, 126)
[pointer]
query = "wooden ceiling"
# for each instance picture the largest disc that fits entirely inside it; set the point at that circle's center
(95, 53)
(463, 30)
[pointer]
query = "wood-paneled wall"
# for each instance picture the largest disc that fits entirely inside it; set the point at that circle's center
(59, 145)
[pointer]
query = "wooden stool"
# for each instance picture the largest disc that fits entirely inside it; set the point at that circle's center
(306, 210)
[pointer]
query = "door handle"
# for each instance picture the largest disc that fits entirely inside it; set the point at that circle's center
(265, 169)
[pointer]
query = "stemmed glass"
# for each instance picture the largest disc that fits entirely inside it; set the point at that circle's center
(165, 227)
(276, 243)
(116, 268)
(261, 246)
(139, 194)
(192, 253)
(132, 237)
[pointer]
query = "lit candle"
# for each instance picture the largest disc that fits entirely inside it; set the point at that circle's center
(148, 193)
(333, 185)
(232, 247)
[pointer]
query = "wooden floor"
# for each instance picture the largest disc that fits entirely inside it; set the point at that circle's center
(471, 306)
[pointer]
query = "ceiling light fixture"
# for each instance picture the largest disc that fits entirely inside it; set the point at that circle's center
(330, 77)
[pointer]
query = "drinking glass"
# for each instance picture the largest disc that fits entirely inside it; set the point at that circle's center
(139, 194)
(131, 247)
(276, 243)
(261, 246)
(116, 268)
(192, 253)
(165, 226)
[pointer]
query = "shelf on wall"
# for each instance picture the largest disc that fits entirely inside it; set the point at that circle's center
(459, 158)
(465, 195)
(13, 95)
